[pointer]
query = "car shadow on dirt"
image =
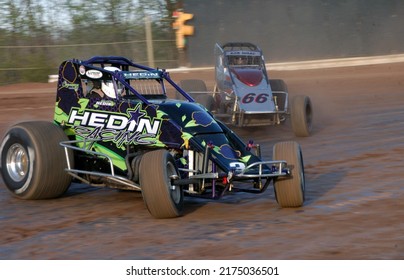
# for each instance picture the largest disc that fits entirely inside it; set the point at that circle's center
(79, 189)
(107, 196)
(318, 184)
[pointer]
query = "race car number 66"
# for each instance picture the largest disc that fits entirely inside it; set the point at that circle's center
(260, 98)
(244, 270)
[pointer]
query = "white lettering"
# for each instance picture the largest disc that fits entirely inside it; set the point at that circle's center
(110, 122)
(117, 122)
(132, 126)
(74, 117)
(145, 123)
(97, 119)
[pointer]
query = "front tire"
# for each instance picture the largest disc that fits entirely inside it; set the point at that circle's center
(301, 115)
(32, 161)
(162, 199)
(290, 191)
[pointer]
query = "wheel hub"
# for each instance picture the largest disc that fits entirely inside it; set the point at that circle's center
(17, 162)
(175, 192)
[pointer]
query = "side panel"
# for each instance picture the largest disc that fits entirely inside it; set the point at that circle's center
(69, 88)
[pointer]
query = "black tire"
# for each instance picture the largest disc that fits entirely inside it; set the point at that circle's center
(193, 87)
(278, 85)
(206, 101)
(135, 165)
(301, 115)
(162, 199)
(32, 161)
(290, 191)
(280, 90)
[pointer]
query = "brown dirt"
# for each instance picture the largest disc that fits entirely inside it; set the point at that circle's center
(354, 201)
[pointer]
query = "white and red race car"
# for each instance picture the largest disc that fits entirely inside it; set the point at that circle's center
(245, 96)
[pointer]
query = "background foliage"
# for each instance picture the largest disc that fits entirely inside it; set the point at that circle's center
(37, 35)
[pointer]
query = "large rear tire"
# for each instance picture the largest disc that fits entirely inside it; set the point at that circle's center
(290, 191)
(206, 101)
(301, 115)
(162, 199)
(280, 90)
(198, 90)
(32, 161)
(193, 85)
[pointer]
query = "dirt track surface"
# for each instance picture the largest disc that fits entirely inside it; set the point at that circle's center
(354, 201)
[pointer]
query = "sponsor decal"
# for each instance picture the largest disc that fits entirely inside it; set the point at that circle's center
(134, 127)
(249, 53)
(141, 75)
(82, 70)
(94, 74)
(104, 103)
(68, 85)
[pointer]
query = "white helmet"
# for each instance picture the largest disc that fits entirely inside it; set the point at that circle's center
(107, 86)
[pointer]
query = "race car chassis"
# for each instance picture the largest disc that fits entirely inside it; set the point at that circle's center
(203, 179)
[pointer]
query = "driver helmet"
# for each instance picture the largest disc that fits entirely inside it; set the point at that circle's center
(240, 60)
(107, 86)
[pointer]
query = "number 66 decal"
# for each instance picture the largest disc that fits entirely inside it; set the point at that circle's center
(252, 97)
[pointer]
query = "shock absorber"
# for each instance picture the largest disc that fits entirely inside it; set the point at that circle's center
(205, 164)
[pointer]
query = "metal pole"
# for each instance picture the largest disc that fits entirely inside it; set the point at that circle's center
(149, 42)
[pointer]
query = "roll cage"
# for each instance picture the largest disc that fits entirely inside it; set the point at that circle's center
(131, 71)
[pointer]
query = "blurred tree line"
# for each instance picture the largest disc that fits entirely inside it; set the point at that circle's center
(37, 35)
